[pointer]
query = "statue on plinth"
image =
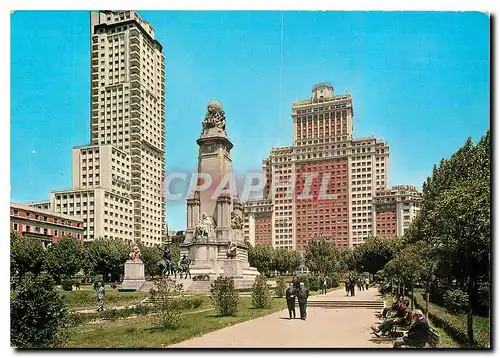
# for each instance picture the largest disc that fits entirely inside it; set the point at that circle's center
(236, 221)
(204, 227)
(135, 254)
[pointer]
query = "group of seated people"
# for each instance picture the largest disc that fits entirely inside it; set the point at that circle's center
(401, 314)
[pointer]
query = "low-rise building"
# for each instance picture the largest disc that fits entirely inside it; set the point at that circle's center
(46, 225)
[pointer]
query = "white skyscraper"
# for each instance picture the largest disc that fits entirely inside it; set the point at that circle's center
(128, 110)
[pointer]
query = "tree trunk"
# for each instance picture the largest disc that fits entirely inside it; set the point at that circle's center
(427, 299)
(470, 284)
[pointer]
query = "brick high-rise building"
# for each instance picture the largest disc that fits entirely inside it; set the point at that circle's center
(395, 209)
(118, 179)
(325, 183)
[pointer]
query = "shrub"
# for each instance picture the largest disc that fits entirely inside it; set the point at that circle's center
(67, 284)
(280, 287)
(187, 303)
(456, 301)
(260, 292)
(38, 314)
(311, 282)
(168, 316)
(224, 296)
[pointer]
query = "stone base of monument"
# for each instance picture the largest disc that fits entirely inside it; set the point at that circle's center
(134, 276)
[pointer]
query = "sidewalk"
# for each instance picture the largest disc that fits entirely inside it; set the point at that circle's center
(324, 328)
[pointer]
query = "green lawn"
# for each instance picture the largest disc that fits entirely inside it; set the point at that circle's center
(86, 299)
(140, 333)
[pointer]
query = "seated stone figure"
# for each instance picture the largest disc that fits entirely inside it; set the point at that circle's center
(204, 227)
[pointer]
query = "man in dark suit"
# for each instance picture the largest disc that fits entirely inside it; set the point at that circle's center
(417, 333)
(290, 300)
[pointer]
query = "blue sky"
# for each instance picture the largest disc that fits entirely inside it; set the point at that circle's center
(420, 81)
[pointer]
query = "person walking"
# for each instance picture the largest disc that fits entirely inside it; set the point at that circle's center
(367, 282)
(323, 288)
(353, 288)
(100, 293)
(347, 287)
(290, 300)
(302, 295)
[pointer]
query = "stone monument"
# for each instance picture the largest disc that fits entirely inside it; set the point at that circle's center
(134, 271)
(214, 235)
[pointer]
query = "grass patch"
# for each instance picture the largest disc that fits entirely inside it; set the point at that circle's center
(141, 333)
(454, 326)
(85, 299)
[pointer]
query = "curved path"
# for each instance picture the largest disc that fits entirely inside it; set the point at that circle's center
(324, 328)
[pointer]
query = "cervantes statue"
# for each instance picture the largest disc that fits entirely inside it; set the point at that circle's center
(205, 226)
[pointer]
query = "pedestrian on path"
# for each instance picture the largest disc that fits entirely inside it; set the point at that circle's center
(323, 288)
(353, 288)
(100, 292)
(367, 282)
(347, 286)
(290, 300)
(302, 295)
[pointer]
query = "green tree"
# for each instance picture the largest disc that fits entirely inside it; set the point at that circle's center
(38, 313)
(294, 261)
(106, 256)
(321, 257)
(26, 255)
(64, 259)
(150, 256)
(261, 257)
(178, 238)
(374, 253)
(261, 296)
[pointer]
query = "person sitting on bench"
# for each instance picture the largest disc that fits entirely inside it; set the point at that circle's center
(395, 305)
(388, 323)
(417, 334)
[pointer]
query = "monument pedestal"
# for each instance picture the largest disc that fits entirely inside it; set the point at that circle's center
(134, 276)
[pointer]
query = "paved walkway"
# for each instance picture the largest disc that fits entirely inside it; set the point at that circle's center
(324, 328)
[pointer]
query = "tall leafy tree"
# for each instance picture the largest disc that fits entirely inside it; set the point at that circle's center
(26, 255)
(151, 255)
(64, 259)
(106, 257)
(260, 256)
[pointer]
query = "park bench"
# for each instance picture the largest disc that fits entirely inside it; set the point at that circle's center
(432, 339)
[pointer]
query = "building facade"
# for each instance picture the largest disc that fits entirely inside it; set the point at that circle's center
(31, 222)
(324, 185)
(395, 209)
(128, 110)
(118, 179)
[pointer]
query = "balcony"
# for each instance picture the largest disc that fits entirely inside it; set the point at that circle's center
(135, 80)
(135, 121)
(135, 70)
(135, 47)
(135, 55)
(135, 114)
(134, 40)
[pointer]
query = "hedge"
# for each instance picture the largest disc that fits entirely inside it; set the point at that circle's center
(455, 325)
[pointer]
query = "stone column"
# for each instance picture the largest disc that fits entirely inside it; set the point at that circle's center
(193, 213)
(223, 217)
